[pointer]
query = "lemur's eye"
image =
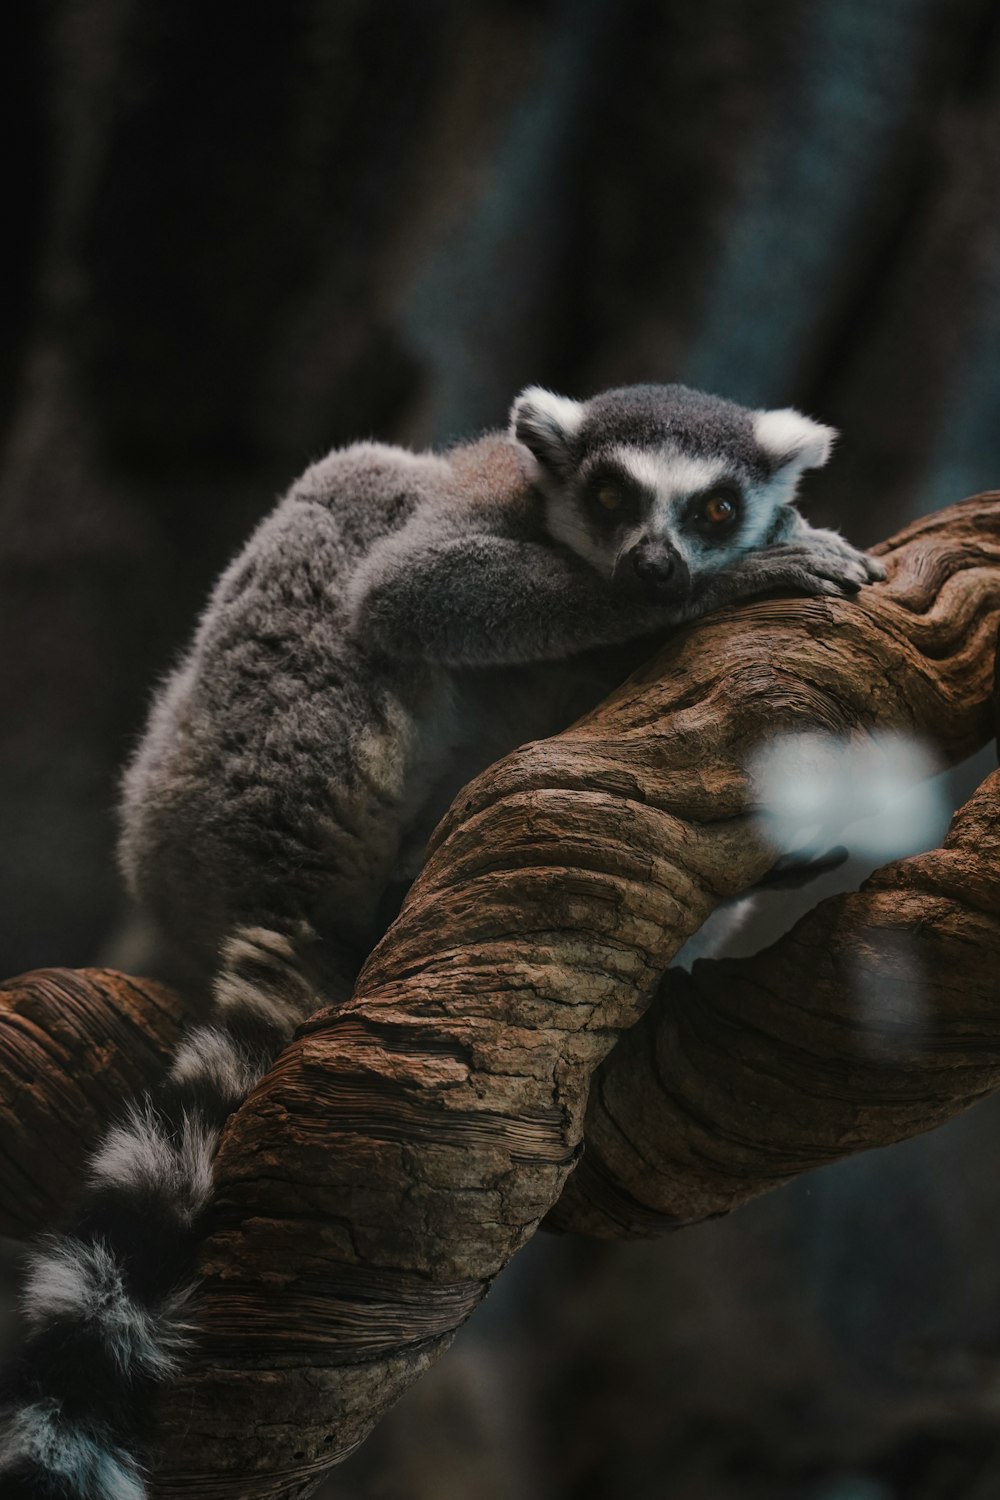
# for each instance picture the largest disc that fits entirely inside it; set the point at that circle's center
(610, 499)
(717, 510)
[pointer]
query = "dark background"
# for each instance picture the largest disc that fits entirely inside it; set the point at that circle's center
(236, 234)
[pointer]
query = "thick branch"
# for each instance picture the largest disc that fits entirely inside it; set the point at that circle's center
(408, 1143)
(73, 1045)
(875, 1018)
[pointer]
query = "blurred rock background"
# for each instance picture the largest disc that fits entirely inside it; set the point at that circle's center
(239, 234)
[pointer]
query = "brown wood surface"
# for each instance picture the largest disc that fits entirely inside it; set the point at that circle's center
(876, 1017)
(407, 1144)
(73, 1044)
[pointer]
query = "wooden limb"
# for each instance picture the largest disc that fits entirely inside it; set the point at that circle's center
(73, 1044)
(875, 1018)
(407, 1144)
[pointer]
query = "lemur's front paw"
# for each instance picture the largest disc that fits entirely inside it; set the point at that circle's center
(823, 563)
(834, 548)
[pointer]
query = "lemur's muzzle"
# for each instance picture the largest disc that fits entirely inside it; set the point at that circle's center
(660, 570)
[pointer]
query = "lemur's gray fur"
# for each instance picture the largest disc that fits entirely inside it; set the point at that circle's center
(397, 623)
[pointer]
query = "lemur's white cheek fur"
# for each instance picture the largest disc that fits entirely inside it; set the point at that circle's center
(761, 503)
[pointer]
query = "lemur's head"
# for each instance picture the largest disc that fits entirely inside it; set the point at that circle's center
(656, 484)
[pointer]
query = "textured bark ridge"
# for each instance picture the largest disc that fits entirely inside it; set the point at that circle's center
(407, 1144)
(73, 1044)
(876, 1017)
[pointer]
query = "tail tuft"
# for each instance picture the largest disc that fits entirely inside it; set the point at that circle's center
(46, 1456)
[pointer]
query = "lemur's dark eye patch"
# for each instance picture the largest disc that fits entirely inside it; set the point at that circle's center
(612, 497)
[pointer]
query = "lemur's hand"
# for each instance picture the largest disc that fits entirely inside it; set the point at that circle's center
(815, 562)
(810, 562)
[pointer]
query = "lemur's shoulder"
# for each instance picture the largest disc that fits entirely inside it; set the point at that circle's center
(368, 470)
(486, 483)
(495, 482)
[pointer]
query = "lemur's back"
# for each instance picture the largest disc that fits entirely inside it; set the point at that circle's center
(268, 784)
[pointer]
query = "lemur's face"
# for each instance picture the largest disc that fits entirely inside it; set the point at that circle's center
(655, 486)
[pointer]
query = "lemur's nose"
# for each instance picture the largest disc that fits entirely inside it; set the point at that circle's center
(659, 568)
(654, 568)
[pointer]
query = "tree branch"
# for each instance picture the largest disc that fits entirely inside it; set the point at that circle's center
(744, 1074)
(408, 1143)
(73, 1045)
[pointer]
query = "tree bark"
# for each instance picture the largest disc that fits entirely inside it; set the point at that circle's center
(876, 1017)
(73, 1045)
(408, 1143)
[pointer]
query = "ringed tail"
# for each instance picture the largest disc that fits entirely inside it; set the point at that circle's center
(104, 1303)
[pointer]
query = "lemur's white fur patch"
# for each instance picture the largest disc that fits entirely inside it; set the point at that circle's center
(211, 1056)
(84, 1282)
(39, 1434)
(565, 524)
(667, 471)
(789, 437)
(139, 1156)
(562, 413)
(384, 751)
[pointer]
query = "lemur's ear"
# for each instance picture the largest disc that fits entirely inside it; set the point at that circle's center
(545, 423)
(790, 439)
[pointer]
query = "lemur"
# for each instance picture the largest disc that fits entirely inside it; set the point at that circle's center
(397, 623)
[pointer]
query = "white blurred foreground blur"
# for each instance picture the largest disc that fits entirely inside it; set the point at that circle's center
(877, 793)
(881, 795)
